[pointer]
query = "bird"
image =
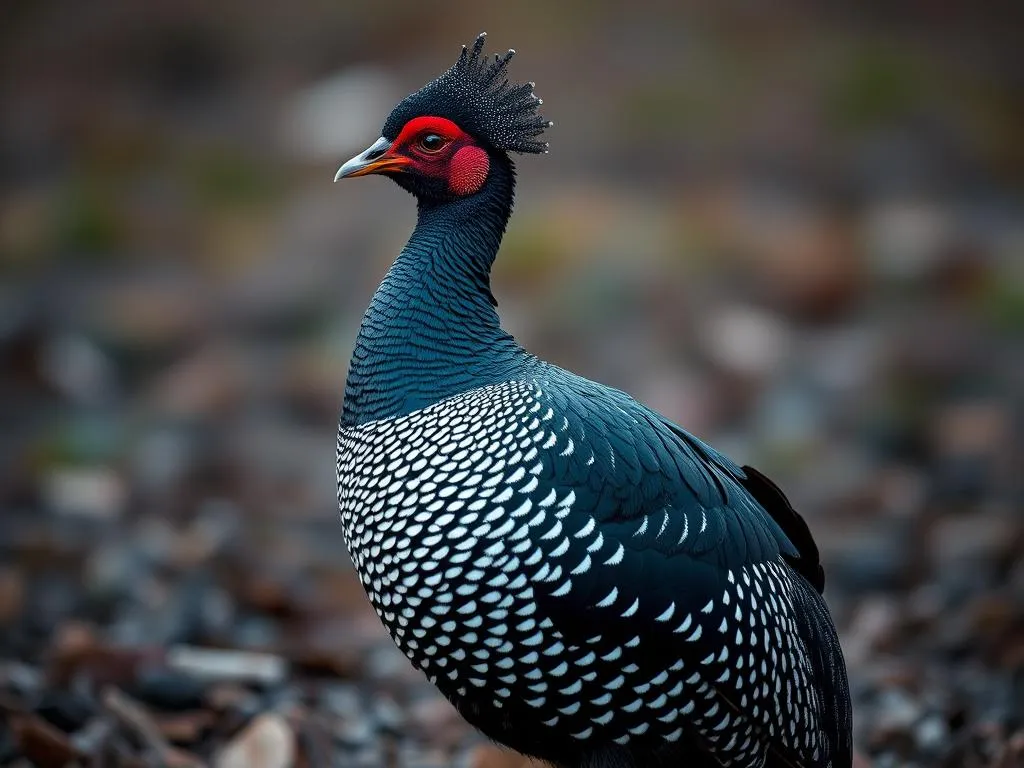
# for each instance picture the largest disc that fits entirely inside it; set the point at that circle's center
(588, 583)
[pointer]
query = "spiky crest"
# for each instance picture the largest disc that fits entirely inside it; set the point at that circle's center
(475, 94)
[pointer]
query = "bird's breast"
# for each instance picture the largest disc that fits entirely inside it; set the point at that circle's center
(470, 552)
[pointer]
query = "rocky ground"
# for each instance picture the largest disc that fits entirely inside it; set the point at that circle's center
(229, 639)
(174, 589)
(834, 293)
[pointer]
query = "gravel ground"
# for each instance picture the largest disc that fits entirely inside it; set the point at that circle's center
(186, 600)
(815, 263)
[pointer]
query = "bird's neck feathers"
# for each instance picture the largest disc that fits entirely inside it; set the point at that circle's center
(431, 330)
(463, 234)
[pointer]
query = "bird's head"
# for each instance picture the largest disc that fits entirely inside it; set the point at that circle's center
(441, 142)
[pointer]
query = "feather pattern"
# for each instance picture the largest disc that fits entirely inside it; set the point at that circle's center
(586, 581)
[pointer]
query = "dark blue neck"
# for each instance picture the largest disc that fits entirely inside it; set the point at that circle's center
(431, 330)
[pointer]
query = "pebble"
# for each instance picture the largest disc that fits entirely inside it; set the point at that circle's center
(317, 126)
(343, 699)
(931, 734)
(234, 699)
(91, 738)
(12, 594)
(897, 710)
(387, 662)
(267, 742)
(746, 340)
(67, 710)
(490, 756)
(436, 721)
(228, 665)
(355, 731)
(977, 540)
(42, 743)
(21, 679)
(186, 727)
(388, 714)
(78, 369)
(873, 625)
(1012, 754)
(169, 689)
(96, 493)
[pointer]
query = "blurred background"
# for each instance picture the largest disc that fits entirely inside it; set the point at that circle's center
(795, 229)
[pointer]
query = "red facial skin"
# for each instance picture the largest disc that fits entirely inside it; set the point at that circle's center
(459, 160)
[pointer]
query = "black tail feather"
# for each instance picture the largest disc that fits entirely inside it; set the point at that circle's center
(775, 503)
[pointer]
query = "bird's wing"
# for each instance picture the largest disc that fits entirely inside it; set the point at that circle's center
(667, 543)
(654, 487)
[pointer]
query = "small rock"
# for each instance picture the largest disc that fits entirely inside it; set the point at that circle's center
(67, 710)
(931, 734)
(101, 664)
(342, 699)
(256, 632)
(386, 662)
(20, 679)
(185, 727)
(231, 697)
(113, 569)
(228, 665)
(905, 238)
(91, 739)
(972, 428)
(747, 341)
(490, 756)
(78, 369)
(437, 722)
(168, 689)
(873, 626)
(41, 743)
(331, 117)
(368, 756)
(196, 388)
(1012, 755)
(95, 492)
(139, 315)
(12, 594)
(973, 540)
(388, 714)
(268, 742)
(354, 731)
(897, 710)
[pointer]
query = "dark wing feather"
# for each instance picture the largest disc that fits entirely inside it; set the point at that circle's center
(774, 501)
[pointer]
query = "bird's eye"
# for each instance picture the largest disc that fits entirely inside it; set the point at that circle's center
(431, 142)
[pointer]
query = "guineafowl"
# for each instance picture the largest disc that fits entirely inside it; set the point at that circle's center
(588, 583)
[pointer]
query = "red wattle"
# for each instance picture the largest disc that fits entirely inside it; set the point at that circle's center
(468, 170)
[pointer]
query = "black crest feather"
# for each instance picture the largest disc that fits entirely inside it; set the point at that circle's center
(476, 95)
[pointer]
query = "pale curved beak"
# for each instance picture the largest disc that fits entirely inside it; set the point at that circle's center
(374, 159)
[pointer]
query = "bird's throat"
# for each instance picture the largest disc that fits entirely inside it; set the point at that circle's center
(431, 329)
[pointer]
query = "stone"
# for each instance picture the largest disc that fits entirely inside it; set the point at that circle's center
(40, 742)
(267, 742)
(92, 492)
(228, 665)
(491, 756)
(12, 594)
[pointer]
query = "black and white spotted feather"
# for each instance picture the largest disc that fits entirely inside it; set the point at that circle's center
(580, 564)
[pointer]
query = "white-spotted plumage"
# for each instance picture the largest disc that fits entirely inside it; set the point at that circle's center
(454, 535)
